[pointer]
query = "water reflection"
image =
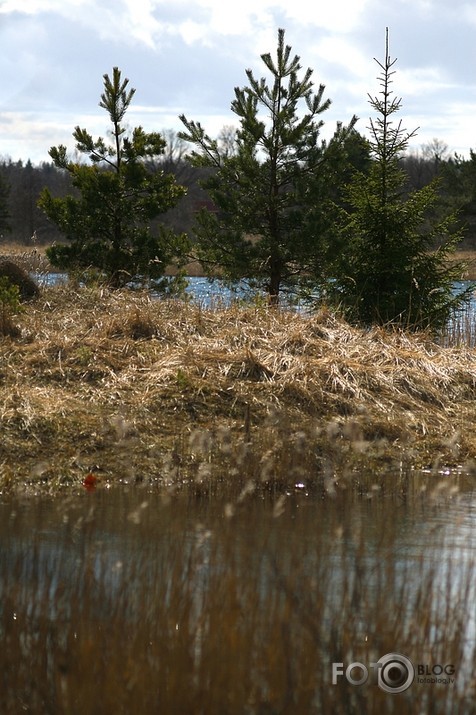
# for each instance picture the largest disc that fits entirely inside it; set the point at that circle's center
(173, 606)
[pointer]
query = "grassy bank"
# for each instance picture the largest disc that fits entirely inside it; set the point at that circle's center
(33, 258)
(164, 390)
(469, 258)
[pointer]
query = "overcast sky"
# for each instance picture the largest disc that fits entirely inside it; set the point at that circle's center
(186, 56)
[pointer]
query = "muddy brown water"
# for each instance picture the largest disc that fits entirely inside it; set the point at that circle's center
(341, 579)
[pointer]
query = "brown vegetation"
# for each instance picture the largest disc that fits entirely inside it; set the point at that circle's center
(31, 260)
(7, 326)
(468, 257)
(118, 381)
(35, 260)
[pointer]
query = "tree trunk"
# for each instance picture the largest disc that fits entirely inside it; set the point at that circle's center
(274, 284)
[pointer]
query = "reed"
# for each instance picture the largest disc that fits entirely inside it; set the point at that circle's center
(31, 259)
(461, 331)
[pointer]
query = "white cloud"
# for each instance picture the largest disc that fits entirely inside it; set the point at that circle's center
(341, 52)
(124, 20)
(36, 7)
(29, 7)
(247, 15)
(420, 81)
(337, 16)
(138, 21)
(469, 13)
(191, 31)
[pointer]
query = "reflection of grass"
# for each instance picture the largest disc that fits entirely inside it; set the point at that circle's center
(312, 393)
(245, 614)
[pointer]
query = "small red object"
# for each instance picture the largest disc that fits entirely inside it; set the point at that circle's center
(90, 481)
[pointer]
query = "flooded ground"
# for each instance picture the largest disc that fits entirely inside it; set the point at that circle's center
(123, 600)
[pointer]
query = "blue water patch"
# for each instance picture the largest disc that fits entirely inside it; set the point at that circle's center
(216, 293)
(202, 290)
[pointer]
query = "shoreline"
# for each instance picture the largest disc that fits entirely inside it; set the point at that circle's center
(34, 259)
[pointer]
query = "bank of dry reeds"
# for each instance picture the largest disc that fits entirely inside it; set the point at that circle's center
(36, 261)
(31, 259)
(126, 384)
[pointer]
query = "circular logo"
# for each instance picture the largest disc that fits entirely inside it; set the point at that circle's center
(396, 673)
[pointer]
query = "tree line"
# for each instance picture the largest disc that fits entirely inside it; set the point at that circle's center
(358, 222)
(21, 183)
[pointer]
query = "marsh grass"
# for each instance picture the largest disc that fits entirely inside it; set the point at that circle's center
(468, 259)
(31, 258)
(461, 331)
(191, 607)
(122, 383)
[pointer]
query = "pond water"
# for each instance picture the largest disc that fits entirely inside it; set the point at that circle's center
(200, 289)
(209, 293)
(132, 600)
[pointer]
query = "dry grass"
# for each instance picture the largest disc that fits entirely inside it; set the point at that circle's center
(30, 259)
(35, 260)
(468, 257)
(118, 381)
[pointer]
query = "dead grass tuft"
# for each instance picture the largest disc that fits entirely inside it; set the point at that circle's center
(32, 260)
(136, 324)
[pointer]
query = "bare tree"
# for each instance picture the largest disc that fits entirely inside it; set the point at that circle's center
(227, 141)
(425, 164)
(436, 151)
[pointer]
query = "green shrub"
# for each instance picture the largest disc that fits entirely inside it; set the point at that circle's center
(9, 306)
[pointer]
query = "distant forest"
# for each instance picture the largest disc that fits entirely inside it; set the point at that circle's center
(21, 184)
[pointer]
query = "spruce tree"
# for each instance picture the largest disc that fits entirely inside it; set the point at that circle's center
(107, 222)
(272, 193)
(392, 248)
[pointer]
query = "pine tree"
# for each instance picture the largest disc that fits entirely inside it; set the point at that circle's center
(272, 192)
(392, 266)
(108, 222)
